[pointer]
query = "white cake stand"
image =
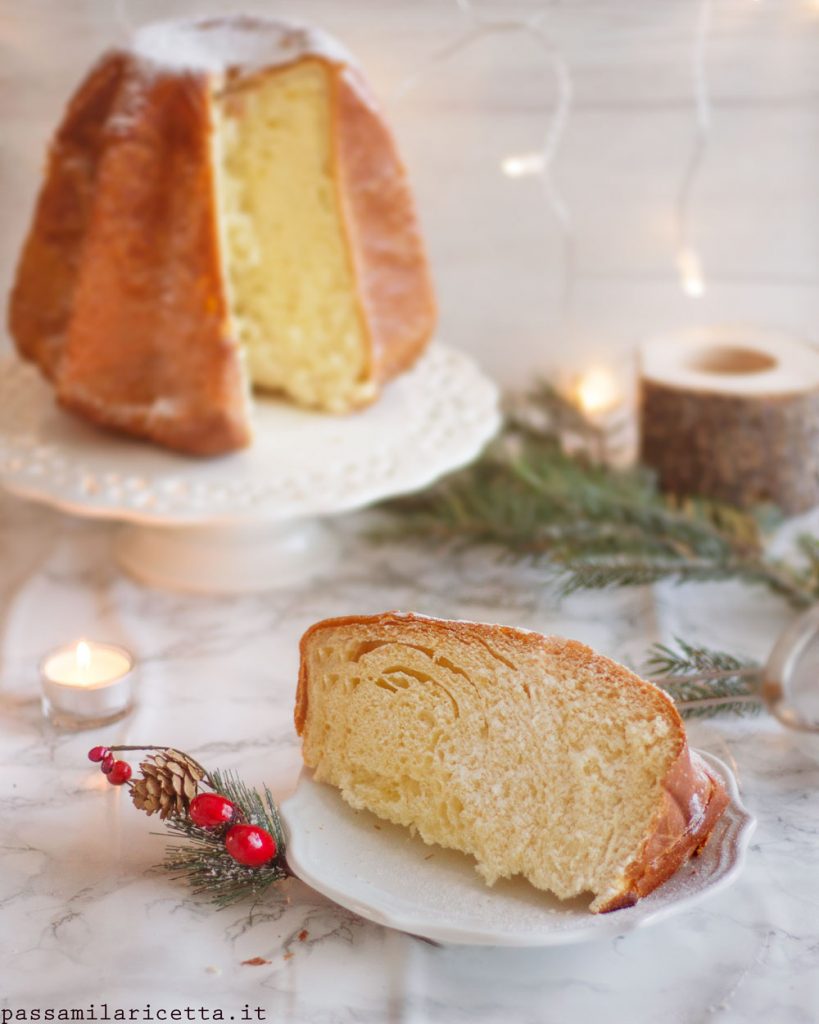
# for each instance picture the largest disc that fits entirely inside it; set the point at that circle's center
(249, 521)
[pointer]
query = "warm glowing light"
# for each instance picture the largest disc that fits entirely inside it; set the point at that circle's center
(86, 683)
(83, 656)
(87, 664)
(521, 165)
(691, 275)
(598, 391)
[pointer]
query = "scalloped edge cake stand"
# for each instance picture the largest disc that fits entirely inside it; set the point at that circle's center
(249, 521)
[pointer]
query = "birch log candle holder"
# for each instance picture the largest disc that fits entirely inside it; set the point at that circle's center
(732, 414)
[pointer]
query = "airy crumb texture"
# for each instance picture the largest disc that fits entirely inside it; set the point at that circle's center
(533, 754)
(290, 273)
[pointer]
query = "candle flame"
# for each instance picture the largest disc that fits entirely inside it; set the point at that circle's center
(83, 656)
(598, 391)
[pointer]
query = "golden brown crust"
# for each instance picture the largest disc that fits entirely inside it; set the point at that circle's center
(394, 283)
(573, 650)
(41, 299)
(144, 342)
(693, 800)
(149, 350)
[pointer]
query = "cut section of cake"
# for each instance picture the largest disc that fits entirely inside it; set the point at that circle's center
(224, 209)
(533, 754)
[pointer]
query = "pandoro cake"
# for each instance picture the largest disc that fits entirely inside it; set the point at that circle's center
(224, 208)
(530, 753)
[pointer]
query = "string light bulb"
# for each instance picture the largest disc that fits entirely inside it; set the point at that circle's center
(692, 278)
(536, 164)
(689, 265)
(522, 165)
(540, 163)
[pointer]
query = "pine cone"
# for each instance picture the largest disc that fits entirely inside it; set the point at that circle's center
(170, 780)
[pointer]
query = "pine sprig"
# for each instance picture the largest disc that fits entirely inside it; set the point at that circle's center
(592, 526)
(704, 682)
(231, 841)
(201, 860)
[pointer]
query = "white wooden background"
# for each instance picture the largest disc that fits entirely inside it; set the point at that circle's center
(754, 213)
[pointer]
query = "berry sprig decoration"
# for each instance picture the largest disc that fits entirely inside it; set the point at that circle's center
(234, 837)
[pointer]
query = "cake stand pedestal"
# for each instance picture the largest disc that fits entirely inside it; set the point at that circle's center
(226, 559)
(253, 520)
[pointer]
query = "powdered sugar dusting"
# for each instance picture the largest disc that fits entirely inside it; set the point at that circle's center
(242, 41)
(391, 877)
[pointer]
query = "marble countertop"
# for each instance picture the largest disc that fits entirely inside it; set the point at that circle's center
(85, 918)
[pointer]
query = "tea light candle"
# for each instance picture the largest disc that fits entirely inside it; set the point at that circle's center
(87, 684)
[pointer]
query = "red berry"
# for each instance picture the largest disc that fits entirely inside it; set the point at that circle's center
(107, 763)
(211, 809)
(98, 753)
(120, 772)
(250, 845)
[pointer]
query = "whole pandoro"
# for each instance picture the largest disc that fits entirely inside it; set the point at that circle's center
(224, 209)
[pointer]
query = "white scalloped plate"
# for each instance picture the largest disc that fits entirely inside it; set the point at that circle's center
(430, 420)
(388, 876)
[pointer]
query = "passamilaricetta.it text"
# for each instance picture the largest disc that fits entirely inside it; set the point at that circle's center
(105, 1012)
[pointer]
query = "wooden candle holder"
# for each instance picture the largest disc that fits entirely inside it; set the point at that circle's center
(732, 414)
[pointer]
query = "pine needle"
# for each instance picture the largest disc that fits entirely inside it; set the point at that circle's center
(591, 526)
(704, 682)
(202, 860)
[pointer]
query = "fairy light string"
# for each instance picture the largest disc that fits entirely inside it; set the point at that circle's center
(689, 262)
(540, 162)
